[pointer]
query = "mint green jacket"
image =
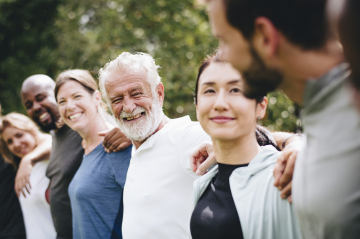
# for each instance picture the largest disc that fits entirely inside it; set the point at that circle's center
(263, 214)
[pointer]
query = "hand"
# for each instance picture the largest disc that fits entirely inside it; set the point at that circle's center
(22, 181)
(202, 158)
(115, 140)
(284, 167)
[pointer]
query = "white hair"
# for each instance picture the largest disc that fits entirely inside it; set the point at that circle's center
(128, 61)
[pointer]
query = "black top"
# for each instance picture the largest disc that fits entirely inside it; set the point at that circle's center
(215, 215)
(11, 218)
(65, 159)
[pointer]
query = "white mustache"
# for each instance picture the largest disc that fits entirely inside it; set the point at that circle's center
(136, 111)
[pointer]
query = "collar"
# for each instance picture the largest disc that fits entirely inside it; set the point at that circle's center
(316, 89)
(149, 142)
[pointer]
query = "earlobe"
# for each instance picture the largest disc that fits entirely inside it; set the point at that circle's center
(266, 37)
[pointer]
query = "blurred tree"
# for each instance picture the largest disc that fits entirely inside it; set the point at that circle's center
(91, 33)
(27, 39)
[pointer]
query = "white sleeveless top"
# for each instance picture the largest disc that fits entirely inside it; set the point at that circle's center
(35, 209)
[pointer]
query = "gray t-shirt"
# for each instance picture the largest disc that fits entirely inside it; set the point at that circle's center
(65, 159)
(326, 185)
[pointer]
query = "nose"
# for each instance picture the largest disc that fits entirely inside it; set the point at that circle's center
(221, 102)
(16, 143)
(70, 105)
(128, 105)
(36, 106)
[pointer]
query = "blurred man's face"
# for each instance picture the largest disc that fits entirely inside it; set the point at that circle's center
(41, 106)
(235, 49)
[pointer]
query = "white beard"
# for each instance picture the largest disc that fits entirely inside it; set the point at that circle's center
(145, 127)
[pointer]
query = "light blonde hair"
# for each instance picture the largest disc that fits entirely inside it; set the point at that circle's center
(18, 121)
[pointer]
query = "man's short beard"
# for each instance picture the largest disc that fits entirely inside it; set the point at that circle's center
(146, 127)
(50, 126)
(259, 79)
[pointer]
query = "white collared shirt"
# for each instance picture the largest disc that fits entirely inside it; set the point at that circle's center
(158, 193)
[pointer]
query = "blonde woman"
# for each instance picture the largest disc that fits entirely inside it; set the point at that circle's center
(19, 136)
(96, 189)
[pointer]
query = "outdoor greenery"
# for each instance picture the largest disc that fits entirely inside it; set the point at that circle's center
(49, 36)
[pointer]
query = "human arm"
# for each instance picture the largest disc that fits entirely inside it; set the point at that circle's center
(114, 140)
(290, 144)
(41, 152)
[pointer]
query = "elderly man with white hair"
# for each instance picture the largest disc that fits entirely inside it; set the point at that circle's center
(158, 193)
(158, 199)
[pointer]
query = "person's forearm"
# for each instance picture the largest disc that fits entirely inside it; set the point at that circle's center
(42, 150)
(284, 137)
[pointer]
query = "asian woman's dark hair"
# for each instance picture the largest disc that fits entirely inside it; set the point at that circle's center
(263, 135)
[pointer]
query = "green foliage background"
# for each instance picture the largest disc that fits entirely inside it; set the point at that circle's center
(49, 36)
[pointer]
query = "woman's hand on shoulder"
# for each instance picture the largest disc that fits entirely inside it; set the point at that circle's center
(115, 140)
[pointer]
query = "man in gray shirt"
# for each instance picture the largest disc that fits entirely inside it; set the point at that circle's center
(288, 45)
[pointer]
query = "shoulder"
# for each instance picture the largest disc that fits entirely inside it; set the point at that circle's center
(125, 154)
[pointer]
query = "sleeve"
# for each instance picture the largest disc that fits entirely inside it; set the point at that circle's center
(191, 137)
(120, 163)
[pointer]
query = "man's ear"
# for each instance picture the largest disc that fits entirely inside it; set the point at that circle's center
(261, 108)
(266, 38)
(160, 92)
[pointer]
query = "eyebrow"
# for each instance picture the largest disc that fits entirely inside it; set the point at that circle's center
(228, 83)
(136, 88)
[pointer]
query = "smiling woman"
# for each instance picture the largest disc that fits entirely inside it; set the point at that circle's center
(100, 173)
(18, 137)
(237, 199)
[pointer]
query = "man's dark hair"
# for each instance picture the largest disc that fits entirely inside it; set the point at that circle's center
(303, 22)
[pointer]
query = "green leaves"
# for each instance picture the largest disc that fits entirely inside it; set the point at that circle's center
(49, 36)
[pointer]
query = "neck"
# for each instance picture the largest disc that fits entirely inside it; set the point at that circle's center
(299, 66)
(163, 122)
(90, 134)
(234, 152)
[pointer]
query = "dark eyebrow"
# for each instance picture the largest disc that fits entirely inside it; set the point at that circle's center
(209, 83)
(233, 82)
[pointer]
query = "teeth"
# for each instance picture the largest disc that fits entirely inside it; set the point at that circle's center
(75, 116)
(43, 116)
(134, 117)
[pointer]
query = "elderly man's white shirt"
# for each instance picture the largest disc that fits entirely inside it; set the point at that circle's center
(158, 194)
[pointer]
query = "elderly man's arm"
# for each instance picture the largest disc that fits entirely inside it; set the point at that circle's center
(40, 153)
(115, 140)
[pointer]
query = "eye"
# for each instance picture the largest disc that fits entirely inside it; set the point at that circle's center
(28, 105)
(209, 91)
(18, 135)
(116, 101)
(9, 142)
(40, 98)
(61, 102)
(235, 90)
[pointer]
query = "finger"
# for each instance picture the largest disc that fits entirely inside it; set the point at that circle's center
(289, 199)
(122, 146)
(278, 169)
(193, 162)
(104, 133)
(204, 166)
(23, 193)
(27, 189)
(286, 192)
(288, 172)
(28, 181)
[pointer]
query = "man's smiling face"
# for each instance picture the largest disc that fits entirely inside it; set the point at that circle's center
(40, 104)
(137, 109)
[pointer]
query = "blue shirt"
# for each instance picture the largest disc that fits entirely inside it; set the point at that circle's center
(95, 194)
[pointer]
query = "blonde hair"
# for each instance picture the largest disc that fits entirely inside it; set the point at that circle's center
(18, 121)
